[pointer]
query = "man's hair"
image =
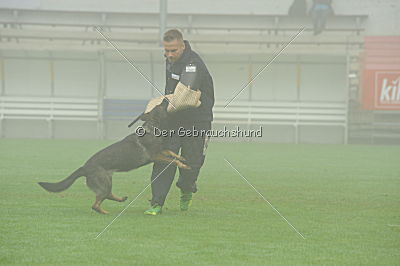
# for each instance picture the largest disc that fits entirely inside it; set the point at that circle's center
(172, 35)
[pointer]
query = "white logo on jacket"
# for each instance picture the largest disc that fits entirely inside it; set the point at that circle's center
(190, 68)
(175, 76)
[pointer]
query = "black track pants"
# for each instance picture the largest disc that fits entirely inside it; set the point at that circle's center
(193, 150)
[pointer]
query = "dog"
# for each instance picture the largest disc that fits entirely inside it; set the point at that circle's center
(127, 154)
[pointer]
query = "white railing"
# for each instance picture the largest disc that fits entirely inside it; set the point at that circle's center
(49, 109)
(283, 113)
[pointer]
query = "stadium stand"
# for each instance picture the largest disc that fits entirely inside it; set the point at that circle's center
(46, 30)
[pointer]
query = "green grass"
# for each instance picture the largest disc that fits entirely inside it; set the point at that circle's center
(341, 198)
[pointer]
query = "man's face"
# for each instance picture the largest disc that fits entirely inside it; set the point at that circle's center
(173, 50)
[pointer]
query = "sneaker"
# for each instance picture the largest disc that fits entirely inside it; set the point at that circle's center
(186, 200)
(154, 210)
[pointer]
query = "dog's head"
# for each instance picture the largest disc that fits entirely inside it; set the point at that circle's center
(158, 116)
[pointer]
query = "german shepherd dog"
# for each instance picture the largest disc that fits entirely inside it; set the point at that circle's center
(127, 154)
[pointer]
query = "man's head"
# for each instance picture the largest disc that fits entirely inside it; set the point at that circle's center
(173, 45)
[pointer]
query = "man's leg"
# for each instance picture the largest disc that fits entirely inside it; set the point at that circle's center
(193, 149)
(160, 187)
(324, 18)
(162, 176)
(315, 20)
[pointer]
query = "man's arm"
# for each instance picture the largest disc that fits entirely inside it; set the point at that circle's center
(186, 94)
(188, 91)
(191, 76)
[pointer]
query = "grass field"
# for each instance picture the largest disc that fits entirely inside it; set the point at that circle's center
(344, 199)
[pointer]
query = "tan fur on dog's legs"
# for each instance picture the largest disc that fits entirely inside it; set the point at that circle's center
(172, 154)
(96, 205)
(115, 198)
(162, 157)
(100, 181)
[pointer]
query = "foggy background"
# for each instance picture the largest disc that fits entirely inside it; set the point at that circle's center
(60, 79)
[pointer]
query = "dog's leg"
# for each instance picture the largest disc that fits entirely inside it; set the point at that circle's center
(96, 205)
(163, 158)
(173, 154)
(112, 196)
(182, 165)
(115, 198)
(100, 182)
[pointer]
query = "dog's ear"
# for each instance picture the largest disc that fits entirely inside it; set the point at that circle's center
(165, 102)
(144, 116)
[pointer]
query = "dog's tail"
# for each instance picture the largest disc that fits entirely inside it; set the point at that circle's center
(64, 184)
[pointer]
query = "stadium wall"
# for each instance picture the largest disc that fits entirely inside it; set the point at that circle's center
(383, 15)
(290, 78)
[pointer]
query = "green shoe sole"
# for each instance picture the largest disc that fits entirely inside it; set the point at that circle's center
(153, 211)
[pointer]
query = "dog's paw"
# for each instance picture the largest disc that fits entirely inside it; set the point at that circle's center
(99, 210)
(184, 166)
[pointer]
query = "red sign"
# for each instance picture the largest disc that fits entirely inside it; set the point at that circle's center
(387, 89)
(381, 73)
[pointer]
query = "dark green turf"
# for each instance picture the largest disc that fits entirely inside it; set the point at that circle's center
(343, 199)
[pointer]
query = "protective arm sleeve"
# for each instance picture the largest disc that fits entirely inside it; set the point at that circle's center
(187, 92)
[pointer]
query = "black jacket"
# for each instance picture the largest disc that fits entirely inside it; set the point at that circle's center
(191, 64)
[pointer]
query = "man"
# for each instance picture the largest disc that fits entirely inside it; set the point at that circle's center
(183, 66)
(320, 11)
